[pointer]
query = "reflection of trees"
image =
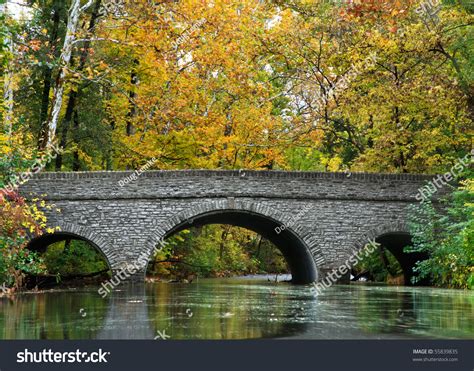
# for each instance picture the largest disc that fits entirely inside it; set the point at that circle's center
(429, 312)
(55, 315)
(207, 310)
(221, 311)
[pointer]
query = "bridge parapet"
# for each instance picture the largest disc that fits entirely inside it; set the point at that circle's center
(226, 183)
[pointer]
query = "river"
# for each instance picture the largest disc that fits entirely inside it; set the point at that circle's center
(242, 308)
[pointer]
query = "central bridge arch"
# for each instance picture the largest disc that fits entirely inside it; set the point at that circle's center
(253, 216)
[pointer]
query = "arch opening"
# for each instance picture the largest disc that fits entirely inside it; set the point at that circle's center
(390, 262)
(295, 252)
(69, 256)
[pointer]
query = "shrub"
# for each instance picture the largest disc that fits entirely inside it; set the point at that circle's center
(16, 221)
(447, 235)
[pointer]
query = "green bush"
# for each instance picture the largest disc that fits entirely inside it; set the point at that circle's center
(375, 267)
(447, 235)
(78, 258)
(217, 250)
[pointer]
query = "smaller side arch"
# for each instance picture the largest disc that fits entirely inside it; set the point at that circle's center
(379, 230)
(39, 243)
(393, 236)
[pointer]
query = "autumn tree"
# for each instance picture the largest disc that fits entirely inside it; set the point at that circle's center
(406, 112)
(202, 97)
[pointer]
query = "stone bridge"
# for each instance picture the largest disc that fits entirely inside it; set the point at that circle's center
(317, 220)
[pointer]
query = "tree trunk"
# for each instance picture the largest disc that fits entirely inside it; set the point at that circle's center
(132, 94)
(75, 93)
(67, 120)
(385, 261)
(47, 80)
(225, 232)
(67, 246)
(72, 26)
(76, 165)
(259, 245)
(8, 91)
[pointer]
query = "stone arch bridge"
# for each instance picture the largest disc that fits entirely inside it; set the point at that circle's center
(317, 220)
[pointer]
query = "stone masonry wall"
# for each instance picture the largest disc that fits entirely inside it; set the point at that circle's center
(333, 213)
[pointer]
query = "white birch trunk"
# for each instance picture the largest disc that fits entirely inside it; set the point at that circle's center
(72, 25)
(8, 86)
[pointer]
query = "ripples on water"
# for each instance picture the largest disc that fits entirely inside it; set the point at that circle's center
(240, 309)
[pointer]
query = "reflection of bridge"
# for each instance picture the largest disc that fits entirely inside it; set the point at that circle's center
(317, 220)
(137, 311)
(127, 315)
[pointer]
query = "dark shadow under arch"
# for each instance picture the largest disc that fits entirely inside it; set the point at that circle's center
(295, 251)
(395, 243)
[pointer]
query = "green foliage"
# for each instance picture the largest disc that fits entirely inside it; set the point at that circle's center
(268, 257)
(304, 159)
(78, 258)
(374, 265)
(447, 235)
(215, 251)
(18, 261)
(18, 218)
(3, 47)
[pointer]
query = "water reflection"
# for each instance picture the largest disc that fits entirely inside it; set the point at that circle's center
(53, 315)
(229, 310)
(239, 309)
(365, 311)
(127, 315)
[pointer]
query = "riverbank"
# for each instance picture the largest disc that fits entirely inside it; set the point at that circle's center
(91, 282)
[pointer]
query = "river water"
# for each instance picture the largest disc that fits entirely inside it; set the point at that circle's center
(240, 309)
